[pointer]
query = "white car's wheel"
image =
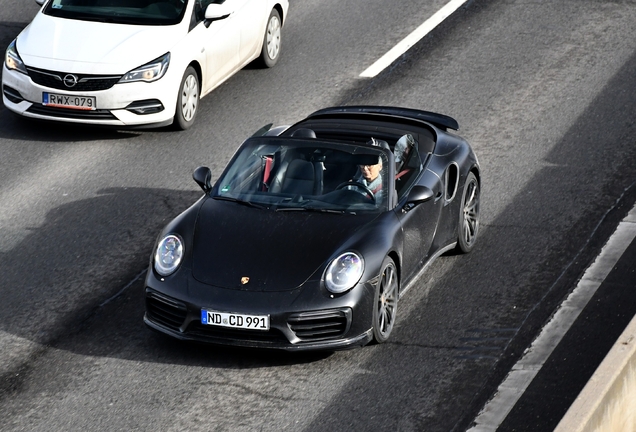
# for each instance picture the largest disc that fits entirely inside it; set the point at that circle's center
(271, 41)
(188, 99)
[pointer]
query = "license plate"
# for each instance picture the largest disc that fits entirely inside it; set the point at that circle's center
(72, 102)
(233, 320)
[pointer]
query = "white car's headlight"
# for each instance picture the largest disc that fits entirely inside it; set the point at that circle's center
(149, 72)
(344, 272)
(12, 59)
(168, 255)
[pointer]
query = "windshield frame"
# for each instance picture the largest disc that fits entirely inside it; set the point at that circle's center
(247, 167)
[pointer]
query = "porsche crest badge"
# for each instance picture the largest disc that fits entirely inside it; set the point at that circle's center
(244, 280)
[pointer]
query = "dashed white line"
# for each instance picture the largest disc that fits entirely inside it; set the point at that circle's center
(412, 39)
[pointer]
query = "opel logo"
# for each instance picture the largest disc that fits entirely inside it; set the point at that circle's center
(70, 80)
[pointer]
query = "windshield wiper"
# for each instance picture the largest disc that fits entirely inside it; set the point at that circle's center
(94, 18)
(239, 201)
(312, 209)
(114, 19)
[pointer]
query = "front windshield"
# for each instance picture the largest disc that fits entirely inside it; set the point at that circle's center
(136, 12)
(296, 175)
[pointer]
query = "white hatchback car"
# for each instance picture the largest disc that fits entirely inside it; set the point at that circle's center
(135, 63)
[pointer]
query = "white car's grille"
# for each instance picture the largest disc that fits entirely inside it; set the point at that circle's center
(72, 82)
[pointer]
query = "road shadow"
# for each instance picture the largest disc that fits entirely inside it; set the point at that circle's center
(560, 215)
(13, 126)
(9, 30)
(82, 256)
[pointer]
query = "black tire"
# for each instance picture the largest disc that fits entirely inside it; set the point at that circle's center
(385, 301)
(469, 215)
(187, 100)
(270, 52)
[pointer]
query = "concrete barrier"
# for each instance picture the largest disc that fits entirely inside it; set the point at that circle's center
(608, 401)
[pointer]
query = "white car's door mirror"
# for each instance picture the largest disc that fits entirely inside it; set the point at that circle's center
(216, 12)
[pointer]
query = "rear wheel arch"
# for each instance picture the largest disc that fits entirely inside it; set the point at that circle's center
(398, 266)
(476, 173)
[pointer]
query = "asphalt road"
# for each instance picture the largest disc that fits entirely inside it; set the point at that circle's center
(577, 359)
(543, 90)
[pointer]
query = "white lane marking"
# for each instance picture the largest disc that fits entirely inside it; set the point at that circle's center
(522, 374)
(412, 39)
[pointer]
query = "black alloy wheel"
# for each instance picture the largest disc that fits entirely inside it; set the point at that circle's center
(385, 301)
(469, 215)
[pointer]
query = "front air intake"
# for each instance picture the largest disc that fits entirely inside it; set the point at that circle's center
(164, 310)
(319, 325)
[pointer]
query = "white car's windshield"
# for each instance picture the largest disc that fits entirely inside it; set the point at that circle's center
(296, 175)
(136, 12)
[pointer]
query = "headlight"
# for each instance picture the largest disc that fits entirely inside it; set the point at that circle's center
(12, 59)
(149, 72)
(168, 255)
(344, 272)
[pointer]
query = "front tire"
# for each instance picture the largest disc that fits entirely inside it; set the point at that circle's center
(187, 100)
(270, 52)
(469, 215)
(385, 301)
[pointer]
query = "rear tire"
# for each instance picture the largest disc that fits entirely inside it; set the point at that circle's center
(469, 215)
(385, 301)
(270, 52)
(187, 100)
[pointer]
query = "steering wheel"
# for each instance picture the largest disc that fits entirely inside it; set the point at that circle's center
(353, 183)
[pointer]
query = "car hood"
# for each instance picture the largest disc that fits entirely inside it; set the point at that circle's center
(277, 251)
(88, 47)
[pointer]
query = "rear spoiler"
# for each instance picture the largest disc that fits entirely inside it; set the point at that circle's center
(439, 120)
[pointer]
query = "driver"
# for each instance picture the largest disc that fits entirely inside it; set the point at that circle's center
(371, 178)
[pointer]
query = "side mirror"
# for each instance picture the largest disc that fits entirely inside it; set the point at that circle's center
(419, 194)
(40, 2)
(215, 12)
(203, 177)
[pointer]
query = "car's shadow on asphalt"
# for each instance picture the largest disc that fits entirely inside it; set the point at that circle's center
(116, 329)
(75, 282)
(13, 126)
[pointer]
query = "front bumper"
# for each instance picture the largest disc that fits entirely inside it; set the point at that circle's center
(300, 320)
(118, 105)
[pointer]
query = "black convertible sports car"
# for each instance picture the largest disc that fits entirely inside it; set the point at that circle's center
(314, 231)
